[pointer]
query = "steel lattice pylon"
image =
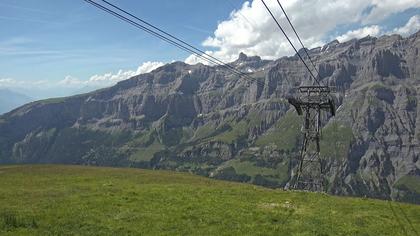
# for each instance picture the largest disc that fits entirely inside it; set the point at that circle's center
(311, 101)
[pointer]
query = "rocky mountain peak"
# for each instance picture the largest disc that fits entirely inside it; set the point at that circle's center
(249, 63)
(244, 58)
(330, 45)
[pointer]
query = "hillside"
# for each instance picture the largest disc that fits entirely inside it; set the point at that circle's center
(204, 120)
(63, 200)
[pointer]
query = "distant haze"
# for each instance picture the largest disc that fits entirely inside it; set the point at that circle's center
(10, 100)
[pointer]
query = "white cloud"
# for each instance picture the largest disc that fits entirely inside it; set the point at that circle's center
(148, 66)
(69, 85)
(193, 59)
(15, 41)
(109, 79)
(251, 29)
(95, 80)
(70, 81)
(373, 30)
(381, 9)
(412, 26)
(9, 82)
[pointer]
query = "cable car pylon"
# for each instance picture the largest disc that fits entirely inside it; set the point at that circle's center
(310, 102)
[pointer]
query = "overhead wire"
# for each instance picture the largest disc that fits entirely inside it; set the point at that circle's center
(301, 166)
(148, 31)
(170, 35)
(252, 24)
(290, 42)
(166, 39)
(297, 35)
(169, 38)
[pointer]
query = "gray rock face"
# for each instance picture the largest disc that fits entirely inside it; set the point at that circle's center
(207, 121)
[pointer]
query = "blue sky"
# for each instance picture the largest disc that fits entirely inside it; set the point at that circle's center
(53, 37)
(53, 47)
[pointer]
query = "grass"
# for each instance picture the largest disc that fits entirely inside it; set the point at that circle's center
(75, 200)
(228, 132)
(255, 119)
(236, 131)
(378, 85)
(248, 168)
(244, 167)
(147, 153)
(408, 182)
(285, 133)
(52, 100)
(336, 140)
(204, 131)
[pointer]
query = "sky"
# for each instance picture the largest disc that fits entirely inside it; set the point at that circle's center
(51, 48)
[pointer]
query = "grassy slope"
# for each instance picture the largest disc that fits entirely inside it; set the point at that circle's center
(60, 200)
(285, 134)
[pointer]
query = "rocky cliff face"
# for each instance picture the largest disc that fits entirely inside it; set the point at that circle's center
(207, 121)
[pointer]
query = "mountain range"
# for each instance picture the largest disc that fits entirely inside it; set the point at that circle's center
(208, 121)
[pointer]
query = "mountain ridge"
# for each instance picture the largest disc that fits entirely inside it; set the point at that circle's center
(207, 121)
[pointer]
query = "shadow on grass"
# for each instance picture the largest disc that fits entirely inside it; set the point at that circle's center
(397, 218)
(408, 220)
(10, 220)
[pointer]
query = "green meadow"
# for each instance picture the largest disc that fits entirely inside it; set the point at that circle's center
(77, 200)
